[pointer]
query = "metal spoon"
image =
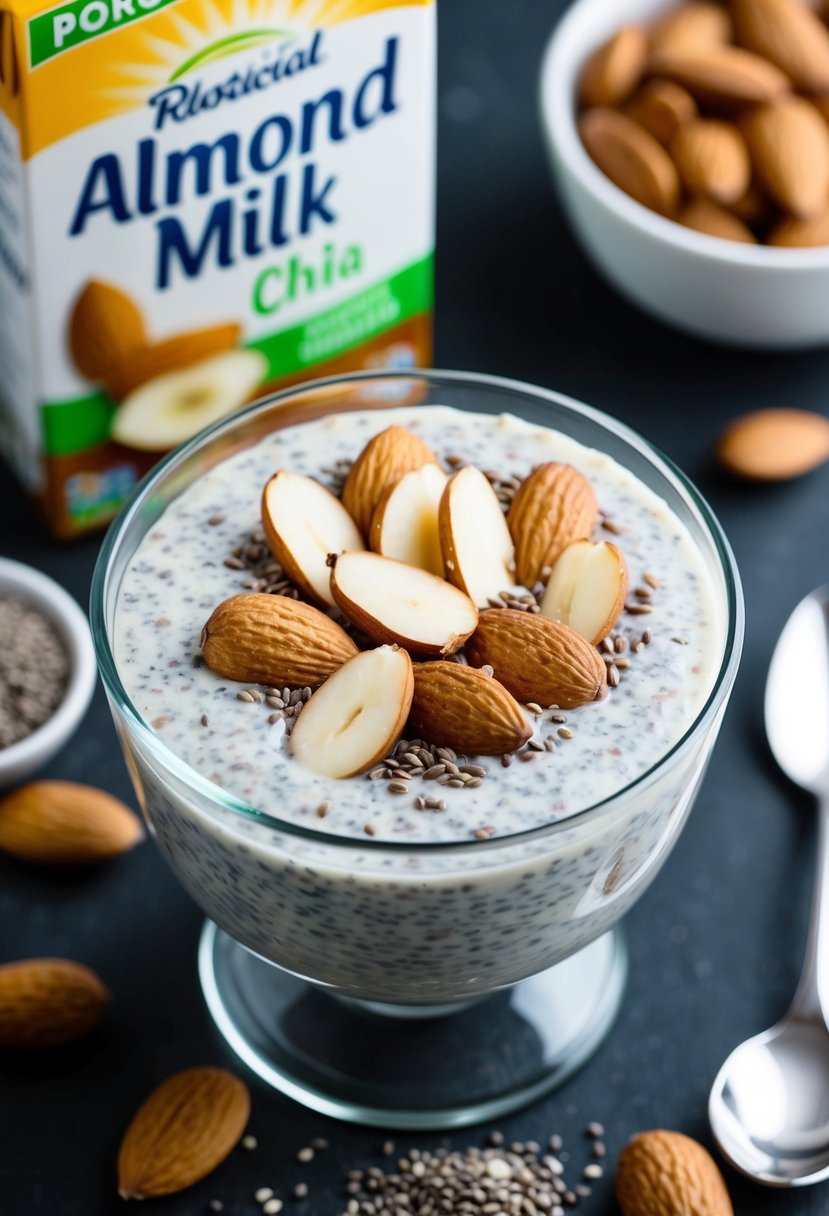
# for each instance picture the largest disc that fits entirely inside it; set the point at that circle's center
(769, 1106)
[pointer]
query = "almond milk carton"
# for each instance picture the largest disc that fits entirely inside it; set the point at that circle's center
(200, 201)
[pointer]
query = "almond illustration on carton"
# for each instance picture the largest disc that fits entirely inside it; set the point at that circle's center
(402, 605)
(273, 640)
(537, 659)
(154, 359)
(182, 1132)
(62, 823)
(669, 1174)
(106, 328)
(382, 462)
(554, 506)
(47, 1002)
(355, 717)
(466, 709)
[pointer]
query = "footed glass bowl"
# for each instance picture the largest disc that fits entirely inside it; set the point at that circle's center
(413, 985)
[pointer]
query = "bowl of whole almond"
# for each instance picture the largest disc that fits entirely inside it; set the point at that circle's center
(690, 144)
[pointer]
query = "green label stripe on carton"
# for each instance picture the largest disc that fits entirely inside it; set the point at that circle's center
(68, 25)
(83, 422)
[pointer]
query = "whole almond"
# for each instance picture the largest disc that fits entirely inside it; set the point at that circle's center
(722, 75)
(274, 640)
(182, 1132)
(712, 160)
(774, 444)
(63, 823)
(537, 659)
(613, 71)
(704, 216)
(789, 145)
(802, 234)
(46, 1002)
(663, 1173)
(662, 107)
(754, 208)
(788, 34)
(171, 355)
(554, 506)
(691, 27)
(631, 157)
(464, 708)
(383, 461)
(106, 328)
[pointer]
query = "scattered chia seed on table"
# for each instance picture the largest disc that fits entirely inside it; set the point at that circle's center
(34, 669)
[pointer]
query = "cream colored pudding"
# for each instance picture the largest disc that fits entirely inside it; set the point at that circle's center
(383, 914)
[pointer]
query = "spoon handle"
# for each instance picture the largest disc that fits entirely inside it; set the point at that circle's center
(811, 1000)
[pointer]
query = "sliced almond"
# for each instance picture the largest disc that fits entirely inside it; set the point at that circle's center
(789, 144)
(704, 216)
(173, 354)
(554, 506)
(63, 823)
(304, 523)
(802, 234)
(691, 27)
(662, 107)
(613, 71)
(773, 445)
(402, 605)
(587, 589)
(464, 708)
(405, 523)
(712, 159)
(537, 659)
(722, 75)
(182, 1132)
(274, 640)
(355, 717)
(631, 157)
(478, 552)
(788, 34)
(46, 1002)
(383, 461)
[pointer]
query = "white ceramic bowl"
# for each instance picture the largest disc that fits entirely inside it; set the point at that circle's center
(22, 759)
(748, 295)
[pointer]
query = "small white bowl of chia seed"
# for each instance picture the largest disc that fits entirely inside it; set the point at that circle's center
(47, 670)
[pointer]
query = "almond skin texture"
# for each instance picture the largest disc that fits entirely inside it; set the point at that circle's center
(60, 823)
(173, 354)
(722, 75)
(612, 73)
(383, 461)
(554, 506)
(466, 709)
(691, 27)
(707, 217)
(712, 160)
(774, 445)
(789, 145)
(662, 107)
(789, 35)
(105, 329)
(667, 1174)
(802, 234)
(631, 157)
(46, 1002)
(184, 1129)
(537, 659)
(270, 639)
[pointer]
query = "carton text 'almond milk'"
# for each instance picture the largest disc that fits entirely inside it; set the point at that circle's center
(201, 200)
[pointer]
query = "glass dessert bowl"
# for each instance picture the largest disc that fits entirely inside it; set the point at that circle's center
(373, 942)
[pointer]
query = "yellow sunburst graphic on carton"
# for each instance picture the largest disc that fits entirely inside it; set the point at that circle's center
(122, 69)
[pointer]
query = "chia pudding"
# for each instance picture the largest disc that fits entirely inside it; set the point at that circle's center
(448, 896)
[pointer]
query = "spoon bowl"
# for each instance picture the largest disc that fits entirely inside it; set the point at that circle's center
(769, 1105)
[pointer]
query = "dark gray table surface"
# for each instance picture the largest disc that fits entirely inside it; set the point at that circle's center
(715, 943)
